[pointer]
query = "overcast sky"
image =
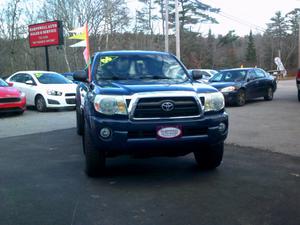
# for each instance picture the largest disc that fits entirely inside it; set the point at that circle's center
(241, 15)
(238, 15)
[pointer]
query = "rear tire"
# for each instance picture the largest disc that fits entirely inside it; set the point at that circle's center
(270, 94)
(94, 158)
(241, 98)
(40, 104)
(210, 157)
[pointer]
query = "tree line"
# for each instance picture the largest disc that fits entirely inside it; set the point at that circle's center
(114, 26)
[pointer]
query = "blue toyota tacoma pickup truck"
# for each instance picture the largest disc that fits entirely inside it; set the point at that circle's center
(145, 103)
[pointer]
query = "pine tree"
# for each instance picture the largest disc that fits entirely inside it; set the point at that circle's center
(278, 29)
(251, 51)
(145, 17)
(227, 42)
(293, 21)
(191, 13)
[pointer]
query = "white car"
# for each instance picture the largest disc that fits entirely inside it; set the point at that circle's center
(44, 89)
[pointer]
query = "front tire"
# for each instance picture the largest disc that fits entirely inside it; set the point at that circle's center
(241, 98)
(94, 158)
(210, 157)
(270, 94)
(40, 104)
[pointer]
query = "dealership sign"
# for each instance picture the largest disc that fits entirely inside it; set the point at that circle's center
(45, 34)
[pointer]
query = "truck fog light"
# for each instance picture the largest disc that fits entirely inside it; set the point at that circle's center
(222, 127)
(105, 132)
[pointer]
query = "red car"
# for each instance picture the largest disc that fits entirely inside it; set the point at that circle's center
(11, 99)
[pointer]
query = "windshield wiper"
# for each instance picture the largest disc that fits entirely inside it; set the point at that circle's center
(159, 77)
(111, 78)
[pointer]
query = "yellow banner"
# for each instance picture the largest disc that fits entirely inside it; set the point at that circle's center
(78, 36)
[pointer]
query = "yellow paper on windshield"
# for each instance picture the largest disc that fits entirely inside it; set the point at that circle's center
(38, 75)
(107, 59)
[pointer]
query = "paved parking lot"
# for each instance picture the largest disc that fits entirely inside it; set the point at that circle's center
(32, 122)
(273, 125)
(42, 180)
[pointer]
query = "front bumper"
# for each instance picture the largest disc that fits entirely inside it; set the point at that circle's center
(138, 136)
(230, 97)
(13, 106)
(53, 101)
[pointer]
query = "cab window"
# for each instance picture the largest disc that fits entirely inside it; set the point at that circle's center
(17, 78)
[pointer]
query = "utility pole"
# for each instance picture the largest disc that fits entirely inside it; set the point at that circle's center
(177, 30)
(166, 25)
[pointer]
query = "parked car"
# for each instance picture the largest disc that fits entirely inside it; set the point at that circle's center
(45, 89)
(205, 73)
(298, 84)
(144, 103)
(241, 84)
(11, 99)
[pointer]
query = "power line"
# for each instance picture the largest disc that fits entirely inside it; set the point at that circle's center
(240, 21)
(236, 19)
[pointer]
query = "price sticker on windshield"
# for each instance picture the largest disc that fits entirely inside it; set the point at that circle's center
(38, 75)
(107, 59)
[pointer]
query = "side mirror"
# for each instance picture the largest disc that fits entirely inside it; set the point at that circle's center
(10, 84)
(197, 75)
(29, 82)
(80, 75)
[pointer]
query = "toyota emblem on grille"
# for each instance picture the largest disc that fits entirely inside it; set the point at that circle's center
(167, 106)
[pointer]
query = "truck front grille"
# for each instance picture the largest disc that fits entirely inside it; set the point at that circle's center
(152, 107)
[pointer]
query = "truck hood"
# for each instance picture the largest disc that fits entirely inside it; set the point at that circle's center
(138, 86)
(9, 92)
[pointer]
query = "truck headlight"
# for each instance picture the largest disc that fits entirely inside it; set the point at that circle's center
(228, 89)
(53, 92)
(110, 105)
(213, 101)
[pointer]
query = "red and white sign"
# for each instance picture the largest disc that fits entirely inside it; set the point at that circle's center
(45, 34)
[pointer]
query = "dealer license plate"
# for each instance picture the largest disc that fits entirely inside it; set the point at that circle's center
(168, 132)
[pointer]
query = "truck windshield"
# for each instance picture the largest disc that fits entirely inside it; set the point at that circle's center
(143, 67)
